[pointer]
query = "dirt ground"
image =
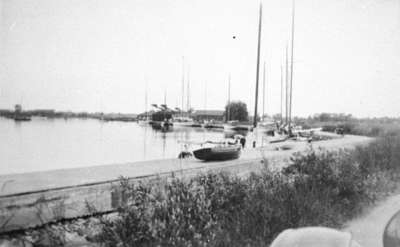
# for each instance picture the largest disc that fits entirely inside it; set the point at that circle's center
(368, 228)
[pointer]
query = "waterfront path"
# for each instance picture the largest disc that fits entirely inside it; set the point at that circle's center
(368, 228)
(66, 193)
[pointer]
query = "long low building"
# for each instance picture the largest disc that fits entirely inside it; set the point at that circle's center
(208, 115)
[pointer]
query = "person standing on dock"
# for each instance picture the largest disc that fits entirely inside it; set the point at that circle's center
(243, 142)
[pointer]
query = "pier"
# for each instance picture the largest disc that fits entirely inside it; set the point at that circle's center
(32, 199)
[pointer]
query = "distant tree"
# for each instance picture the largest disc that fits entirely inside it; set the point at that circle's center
(236, 110)
(332, 117)
(276, 117)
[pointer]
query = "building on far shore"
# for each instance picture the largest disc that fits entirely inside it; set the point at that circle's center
(208, 115)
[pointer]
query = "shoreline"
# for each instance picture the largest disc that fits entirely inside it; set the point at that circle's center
(75, 188)
(16, 183)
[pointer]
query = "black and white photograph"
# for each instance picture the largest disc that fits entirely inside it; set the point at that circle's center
(200, 123)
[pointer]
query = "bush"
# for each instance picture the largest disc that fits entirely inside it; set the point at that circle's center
(220, 209)
(329, 128)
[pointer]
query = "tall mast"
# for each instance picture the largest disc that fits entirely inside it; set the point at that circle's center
(183, 84)
(291, 69)
(229, 99)
(281, 94)
(263, 110)
(146, 102)
(188, 91)
(205, 95)
(258, 67)
(287, 86)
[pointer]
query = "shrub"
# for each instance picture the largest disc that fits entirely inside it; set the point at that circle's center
(220, 209)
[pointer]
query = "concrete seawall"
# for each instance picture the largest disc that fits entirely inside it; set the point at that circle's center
(32, 199)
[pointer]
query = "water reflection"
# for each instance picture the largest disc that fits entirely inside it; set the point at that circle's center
(232, 134)
(43, 144)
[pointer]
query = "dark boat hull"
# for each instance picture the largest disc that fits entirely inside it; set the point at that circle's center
(163, 126)
(218, 153)
(22, 118)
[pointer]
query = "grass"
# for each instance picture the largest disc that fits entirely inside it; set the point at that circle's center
(366, 127)
(221, 209)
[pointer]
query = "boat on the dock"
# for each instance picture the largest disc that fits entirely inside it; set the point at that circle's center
(218, 153)
(279, 139)
(267, 125)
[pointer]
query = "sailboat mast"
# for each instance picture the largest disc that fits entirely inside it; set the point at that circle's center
(281, 94)
(263, 110)
(145, 103)
(229, 99)
(205, 95)
(258, 67)
(291, 68)
(183, 84)
(287, 86)
(188, 91)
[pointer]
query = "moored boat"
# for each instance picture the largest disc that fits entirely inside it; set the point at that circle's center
(212, 126)
(22, 118)
(144, 122)
(161, 125)
(185, 122)
(218, 153)
(237, 126)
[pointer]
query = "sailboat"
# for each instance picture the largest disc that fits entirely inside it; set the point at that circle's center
(266, 125)
(233, 125)
(161, 118)
(185, 121)
(19, 115)
(146, 119)
(218, 153)
(290, 130)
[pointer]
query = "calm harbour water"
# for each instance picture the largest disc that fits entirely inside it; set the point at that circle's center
(48, 144)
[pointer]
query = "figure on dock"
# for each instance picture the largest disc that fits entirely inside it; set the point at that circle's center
(185, 154)
(243, 142)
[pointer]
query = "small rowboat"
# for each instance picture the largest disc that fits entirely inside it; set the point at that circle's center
(225, 152)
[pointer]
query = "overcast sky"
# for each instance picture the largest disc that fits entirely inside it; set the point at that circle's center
(99, 55)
